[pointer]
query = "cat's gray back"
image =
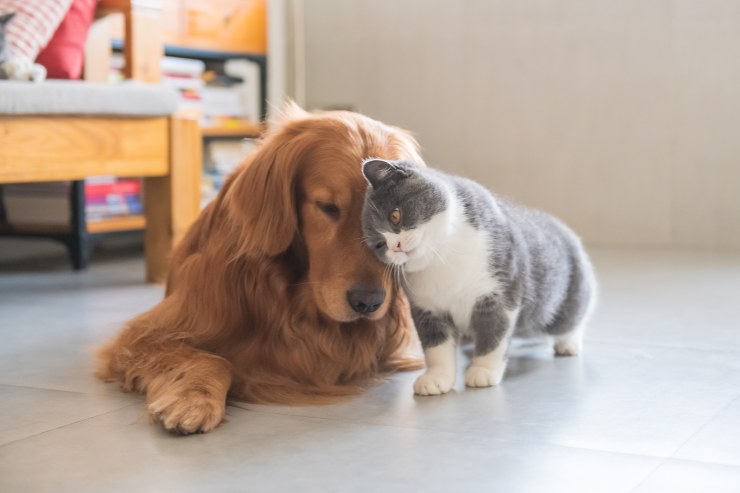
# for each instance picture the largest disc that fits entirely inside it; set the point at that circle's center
(538, 259)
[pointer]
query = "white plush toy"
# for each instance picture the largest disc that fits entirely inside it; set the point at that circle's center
(14, 67)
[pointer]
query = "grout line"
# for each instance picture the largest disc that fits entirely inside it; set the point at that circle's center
(66, 425)
(649, 473)
(54, 390)
(672, 456)
(637, 345)
(712, 418)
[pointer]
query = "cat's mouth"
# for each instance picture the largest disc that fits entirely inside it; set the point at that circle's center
(400, 257)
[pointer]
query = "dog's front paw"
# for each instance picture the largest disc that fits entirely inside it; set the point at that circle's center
(480, 376)
(186, 412)
(433, 383)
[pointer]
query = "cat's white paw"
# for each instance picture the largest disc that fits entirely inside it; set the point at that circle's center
(433, 383)
(479, 376)
(567, 348)
(568, 345)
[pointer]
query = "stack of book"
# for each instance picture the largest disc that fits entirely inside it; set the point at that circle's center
(182, 74)
(221, 157)
(231, 96)
(107, 197)
(185, 76)
(48, 204)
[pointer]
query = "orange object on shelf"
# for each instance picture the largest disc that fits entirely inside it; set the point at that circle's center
(219, 25)
(238, 26)
(246, 129)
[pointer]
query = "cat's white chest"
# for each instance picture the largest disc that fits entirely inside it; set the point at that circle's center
(456, 278)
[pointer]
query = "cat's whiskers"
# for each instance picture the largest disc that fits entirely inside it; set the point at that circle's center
(402, 280)
(441, 259)
(375, 207)
(387, 274)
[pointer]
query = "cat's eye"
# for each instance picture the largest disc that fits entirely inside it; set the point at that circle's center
(395, 216)
(329, 209)
(379, 245)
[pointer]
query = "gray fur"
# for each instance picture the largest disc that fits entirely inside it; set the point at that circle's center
(538, 262)
(397, 182)
(489, 323)
(4, 45)
(437, 327)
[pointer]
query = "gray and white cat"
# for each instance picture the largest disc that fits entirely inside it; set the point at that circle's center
(474, 264)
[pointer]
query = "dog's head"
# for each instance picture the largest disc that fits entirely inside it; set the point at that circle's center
(299, 201)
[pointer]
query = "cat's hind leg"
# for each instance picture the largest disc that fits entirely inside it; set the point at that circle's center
(439, 340)
(492, 324)
(567, 327)
(570, 343)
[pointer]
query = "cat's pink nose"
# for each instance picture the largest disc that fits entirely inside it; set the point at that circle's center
(398, 248)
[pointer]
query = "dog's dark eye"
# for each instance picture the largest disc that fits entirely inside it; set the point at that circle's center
(379, 245)
(329, 209)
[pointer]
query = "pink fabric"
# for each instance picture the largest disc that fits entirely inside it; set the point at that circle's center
(65, 53)
(33, 25)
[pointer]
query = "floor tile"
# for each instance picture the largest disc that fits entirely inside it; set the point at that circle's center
(25, 412)
(678, 299)
(678, 476)
(718, 441)
(616, 398)
(121, 451)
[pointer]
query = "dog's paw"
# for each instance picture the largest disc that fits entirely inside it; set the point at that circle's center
(433, 383)
(480, 376)
(186, 412)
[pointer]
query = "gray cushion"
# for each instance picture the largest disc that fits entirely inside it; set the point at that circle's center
(65, 97)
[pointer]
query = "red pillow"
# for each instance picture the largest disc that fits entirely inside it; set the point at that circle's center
(64, 54)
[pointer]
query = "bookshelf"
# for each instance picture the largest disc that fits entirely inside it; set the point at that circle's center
(244, 130)
(111, 224)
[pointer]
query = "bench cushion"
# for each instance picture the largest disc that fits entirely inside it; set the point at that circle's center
(61, 97)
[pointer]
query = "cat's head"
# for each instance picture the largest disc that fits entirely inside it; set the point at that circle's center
(404, 217)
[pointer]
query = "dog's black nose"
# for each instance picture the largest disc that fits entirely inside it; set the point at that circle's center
(364, 301)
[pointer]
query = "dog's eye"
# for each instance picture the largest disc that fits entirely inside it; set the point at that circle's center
(379, 245)
(329, 209)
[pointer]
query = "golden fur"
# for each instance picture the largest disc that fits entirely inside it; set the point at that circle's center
(256, 305)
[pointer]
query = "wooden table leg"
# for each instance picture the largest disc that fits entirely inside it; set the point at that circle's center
(172, 202)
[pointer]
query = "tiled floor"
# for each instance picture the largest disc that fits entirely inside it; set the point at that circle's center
(653, 405)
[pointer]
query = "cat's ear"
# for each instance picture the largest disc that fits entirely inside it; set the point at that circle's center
(5, 18)
(377, 171)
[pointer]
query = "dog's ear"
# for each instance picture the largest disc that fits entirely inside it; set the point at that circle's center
(262, 199)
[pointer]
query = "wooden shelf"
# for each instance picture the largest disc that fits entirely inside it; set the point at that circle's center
(245, 130)
(123, 223)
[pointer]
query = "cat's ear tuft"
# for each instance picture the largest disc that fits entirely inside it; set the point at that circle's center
(377, 171)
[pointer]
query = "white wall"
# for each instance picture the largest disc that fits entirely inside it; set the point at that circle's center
(622, 117)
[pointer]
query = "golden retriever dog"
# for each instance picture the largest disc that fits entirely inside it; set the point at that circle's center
(272, 295)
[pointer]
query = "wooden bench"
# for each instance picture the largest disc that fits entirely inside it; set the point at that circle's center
(70, 130)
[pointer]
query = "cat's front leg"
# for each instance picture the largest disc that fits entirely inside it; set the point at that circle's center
(439, 340)
(492, 325)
